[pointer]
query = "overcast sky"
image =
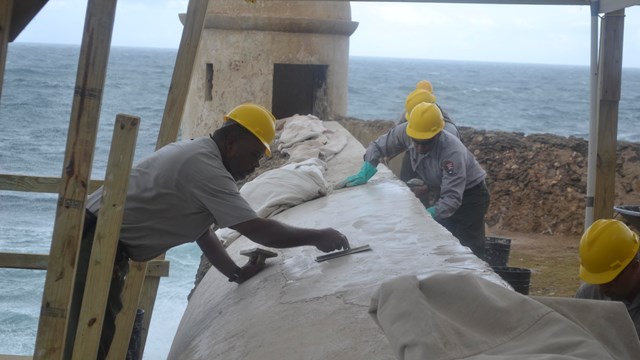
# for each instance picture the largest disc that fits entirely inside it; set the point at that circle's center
(506, 33)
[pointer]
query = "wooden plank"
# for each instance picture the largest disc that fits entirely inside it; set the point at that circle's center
(6, 9)
(83, 126)
(179, 88)
(15, 357)
(607, 6)
(107, 233)
(40, 261)
(176, 100)
(158, 268)
(40, 184)
(609, 85)
(24, 261)
(23, 12)
(124, 321)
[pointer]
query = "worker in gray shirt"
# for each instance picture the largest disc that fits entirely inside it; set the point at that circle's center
(610, 265)
(441, 161)
(179, 194)
(422, 93)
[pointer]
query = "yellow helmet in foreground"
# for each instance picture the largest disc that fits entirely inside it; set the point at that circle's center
(606, 248)
(425, 121)
(416, 97)
(256, 119)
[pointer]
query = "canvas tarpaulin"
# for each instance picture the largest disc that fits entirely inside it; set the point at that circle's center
(463, 316)
(309, 144)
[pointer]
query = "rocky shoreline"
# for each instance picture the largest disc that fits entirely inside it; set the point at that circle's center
(537, 182)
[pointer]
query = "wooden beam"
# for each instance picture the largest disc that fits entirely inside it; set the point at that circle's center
(6, 9)
(609, 84)
(158, 268)
(607, 6)
(176, 100)
(133, 287)
(24, 261)
(23, 12)
(105, 244)
(39, 184)
(179, 88)
(39, 262)
(83, 127)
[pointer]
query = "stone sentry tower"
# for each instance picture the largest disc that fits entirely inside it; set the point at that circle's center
(289, 56)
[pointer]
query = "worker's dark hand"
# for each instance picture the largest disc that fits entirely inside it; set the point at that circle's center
(420, 191)
(249, 270)
(331, 239)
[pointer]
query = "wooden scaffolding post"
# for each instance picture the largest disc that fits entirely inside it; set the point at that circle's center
(609, 84)
(67, 230)
(107, 233)
(6, 8)
(181, 78)
(174, 108)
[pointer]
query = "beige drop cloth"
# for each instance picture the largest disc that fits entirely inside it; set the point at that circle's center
(309, 145)
(463, 316)
(279, 189)
(305, 136)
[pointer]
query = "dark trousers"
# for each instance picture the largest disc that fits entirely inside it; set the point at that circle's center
(406, 171)
(467, 223)
(114, 301)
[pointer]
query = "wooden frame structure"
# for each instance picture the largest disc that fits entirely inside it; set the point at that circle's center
(74, 185)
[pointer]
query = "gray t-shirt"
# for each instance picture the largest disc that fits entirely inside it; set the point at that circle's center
(174, 195)
(589, 291)
(450, 166)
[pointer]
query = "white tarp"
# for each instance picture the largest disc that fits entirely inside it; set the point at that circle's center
(279, 189)
(305, 137)
(309, 144)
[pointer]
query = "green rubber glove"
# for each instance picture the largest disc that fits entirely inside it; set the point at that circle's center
(366, 172)
(432, 211)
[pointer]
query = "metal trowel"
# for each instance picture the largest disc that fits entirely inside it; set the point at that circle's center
(336, 254)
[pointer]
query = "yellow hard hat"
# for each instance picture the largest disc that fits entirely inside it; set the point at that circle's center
(606, 248)
(416, 97)
(425, 85)
(256, 119)
(425, 121)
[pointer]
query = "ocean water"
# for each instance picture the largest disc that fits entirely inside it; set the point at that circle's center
(35, 109)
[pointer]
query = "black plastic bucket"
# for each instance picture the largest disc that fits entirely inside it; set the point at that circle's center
(631, 213)
(518, 278)
(496, 251)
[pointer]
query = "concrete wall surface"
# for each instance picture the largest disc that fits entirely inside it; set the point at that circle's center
(298, 308)
(303, 9)
(245, 73)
